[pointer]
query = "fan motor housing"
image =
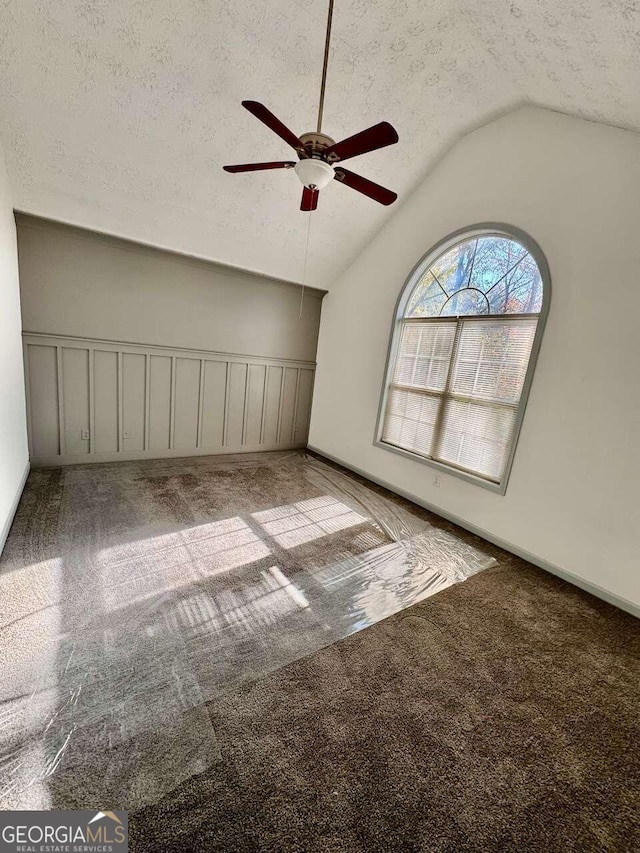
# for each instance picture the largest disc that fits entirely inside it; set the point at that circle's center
(317, 142)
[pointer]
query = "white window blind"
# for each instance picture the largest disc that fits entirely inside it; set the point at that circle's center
(455, 389)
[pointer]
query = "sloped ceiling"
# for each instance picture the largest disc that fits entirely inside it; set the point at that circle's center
(118, 116)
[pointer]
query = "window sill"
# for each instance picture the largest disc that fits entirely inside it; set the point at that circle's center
(497, 488)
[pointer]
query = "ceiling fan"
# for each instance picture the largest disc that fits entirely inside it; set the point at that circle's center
(318, 154)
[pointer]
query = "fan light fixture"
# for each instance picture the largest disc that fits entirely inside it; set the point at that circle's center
(314, 174)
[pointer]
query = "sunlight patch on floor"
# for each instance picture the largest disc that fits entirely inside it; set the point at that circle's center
(304, 521)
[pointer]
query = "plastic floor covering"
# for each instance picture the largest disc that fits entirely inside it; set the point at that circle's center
(131, 594)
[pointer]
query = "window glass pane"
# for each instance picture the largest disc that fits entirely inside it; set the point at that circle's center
(476, 436)
(495, 256)
(453, 268)
(427, 299)
(492, 359)
(519, 292)
(410, 420)
(465, 303)
(424, 354)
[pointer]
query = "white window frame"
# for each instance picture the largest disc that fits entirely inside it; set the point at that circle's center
(481, 230)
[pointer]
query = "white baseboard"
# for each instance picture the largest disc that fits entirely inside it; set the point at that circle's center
(594, 589)
(6, 527)
(137, 455)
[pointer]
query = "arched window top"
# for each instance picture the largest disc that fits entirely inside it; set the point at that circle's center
(487, 274)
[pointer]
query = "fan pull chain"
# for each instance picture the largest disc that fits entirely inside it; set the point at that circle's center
(304, 269)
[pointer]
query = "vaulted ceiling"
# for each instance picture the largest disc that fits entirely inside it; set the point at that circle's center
(119, 116)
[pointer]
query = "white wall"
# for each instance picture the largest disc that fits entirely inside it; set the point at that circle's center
(14, 457)
(572, 500)
(79, 283)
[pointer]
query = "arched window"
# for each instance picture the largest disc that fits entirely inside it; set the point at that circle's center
(464, 342)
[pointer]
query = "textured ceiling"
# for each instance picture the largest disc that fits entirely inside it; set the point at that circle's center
(119, 115)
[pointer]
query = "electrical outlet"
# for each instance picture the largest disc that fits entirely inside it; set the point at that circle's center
(436, 481)
(125, 433)
(84, 434)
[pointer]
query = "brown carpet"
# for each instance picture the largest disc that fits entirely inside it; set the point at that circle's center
(502, 714)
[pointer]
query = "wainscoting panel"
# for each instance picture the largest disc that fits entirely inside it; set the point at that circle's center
(99, 401)
(133, 407)
(42, 368)
(159, 433)
(287, 404)
(185, 430)
(272, 412)
(303, 407)
(255, 400)
(213, 408)
(236, 401)
(75, 399)
(105, 379)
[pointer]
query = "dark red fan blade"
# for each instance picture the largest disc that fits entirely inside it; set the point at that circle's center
(309, 199)
(365, 186)
(257, 167)
(273, 123)
(378, 136)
